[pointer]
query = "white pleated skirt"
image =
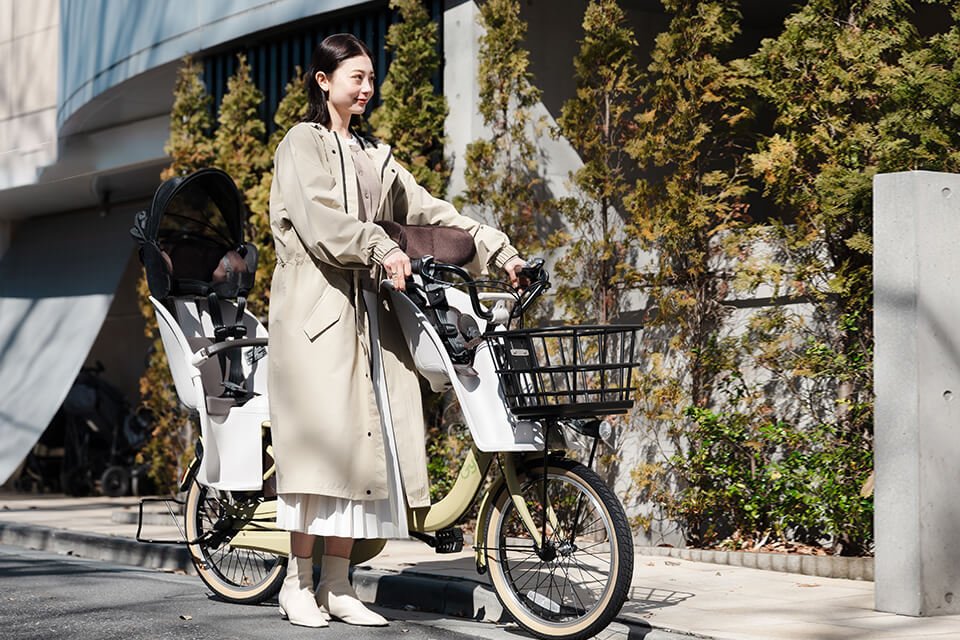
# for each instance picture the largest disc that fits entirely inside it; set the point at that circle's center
(342, 517)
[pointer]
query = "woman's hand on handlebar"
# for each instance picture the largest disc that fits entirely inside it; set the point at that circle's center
(397, 268)
(513, 267)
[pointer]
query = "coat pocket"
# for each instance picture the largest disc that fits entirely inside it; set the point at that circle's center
(325, 313)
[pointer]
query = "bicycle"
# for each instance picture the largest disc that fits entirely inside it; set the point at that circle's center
(552, 535)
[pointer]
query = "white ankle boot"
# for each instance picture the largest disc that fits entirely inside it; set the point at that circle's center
(336, 595)
(296, 595)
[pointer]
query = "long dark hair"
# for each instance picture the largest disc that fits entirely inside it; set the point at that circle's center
(327, 57)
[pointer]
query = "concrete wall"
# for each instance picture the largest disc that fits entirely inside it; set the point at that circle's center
(917, 384)
(29, 67)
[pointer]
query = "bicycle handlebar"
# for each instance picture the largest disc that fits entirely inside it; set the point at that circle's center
(533, 273)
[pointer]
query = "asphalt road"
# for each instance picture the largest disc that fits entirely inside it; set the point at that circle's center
(44, 595)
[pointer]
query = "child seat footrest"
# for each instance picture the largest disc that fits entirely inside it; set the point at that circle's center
(172, 513)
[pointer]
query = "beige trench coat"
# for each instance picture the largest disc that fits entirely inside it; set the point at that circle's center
(326, 426)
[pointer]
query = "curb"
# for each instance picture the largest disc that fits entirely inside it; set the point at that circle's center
(172, 558)
(849, 568)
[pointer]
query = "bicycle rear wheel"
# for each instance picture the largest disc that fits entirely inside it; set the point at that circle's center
(243, 576)
(576, 583)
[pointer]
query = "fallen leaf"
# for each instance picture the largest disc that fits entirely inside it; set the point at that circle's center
(186, 617)
(807, 584)
(671, 563)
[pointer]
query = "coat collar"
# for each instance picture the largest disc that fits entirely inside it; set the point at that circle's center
(380, 153)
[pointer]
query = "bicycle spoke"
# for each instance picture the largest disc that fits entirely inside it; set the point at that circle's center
(592, 580)
(575, 595)
(536, 565)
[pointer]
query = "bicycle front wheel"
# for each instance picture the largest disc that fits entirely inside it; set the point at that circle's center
(577, 581)
(243, 576)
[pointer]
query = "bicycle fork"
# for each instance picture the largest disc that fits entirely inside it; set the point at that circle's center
(511, 479)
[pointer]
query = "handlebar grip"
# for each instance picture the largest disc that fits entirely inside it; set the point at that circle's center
(419, 265)
(533, 270)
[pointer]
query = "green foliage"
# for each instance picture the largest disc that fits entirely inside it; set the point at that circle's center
(753, 481)
(830, 77)
(291, 110)
(240, 138)
(596, 269)
(689, 134)
(411, 115)
(501, 172)
(844, 111)
(189, 146)
(746, 468)
(926, 120)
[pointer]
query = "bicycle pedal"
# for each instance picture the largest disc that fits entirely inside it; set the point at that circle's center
(449, 540)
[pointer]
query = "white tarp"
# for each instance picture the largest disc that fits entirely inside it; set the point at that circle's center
(57, 280)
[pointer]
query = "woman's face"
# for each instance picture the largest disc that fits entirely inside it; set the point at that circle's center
(349, 87)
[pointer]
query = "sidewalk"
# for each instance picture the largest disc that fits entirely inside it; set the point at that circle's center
(697, 598)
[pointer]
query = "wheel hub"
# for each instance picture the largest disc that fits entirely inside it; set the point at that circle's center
(547, 552)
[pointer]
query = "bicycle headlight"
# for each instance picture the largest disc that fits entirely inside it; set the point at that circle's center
(606, 432)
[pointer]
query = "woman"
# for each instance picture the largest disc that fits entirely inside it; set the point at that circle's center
(342, 472)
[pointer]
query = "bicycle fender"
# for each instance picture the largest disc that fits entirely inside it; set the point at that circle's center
(186, 479)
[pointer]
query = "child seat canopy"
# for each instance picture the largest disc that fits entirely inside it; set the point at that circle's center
(191, 239)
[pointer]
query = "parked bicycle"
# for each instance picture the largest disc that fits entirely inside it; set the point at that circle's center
(552, 535)
(90, 444)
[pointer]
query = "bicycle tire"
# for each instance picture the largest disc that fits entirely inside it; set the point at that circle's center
(600, 550)
(241, 576)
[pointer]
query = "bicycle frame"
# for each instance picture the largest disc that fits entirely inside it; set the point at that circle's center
(259, 532)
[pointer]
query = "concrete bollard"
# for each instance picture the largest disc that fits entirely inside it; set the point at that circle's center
(917, 385)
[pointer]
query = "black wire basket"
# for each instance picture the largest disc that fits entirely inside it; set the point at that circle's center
(566, 372)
